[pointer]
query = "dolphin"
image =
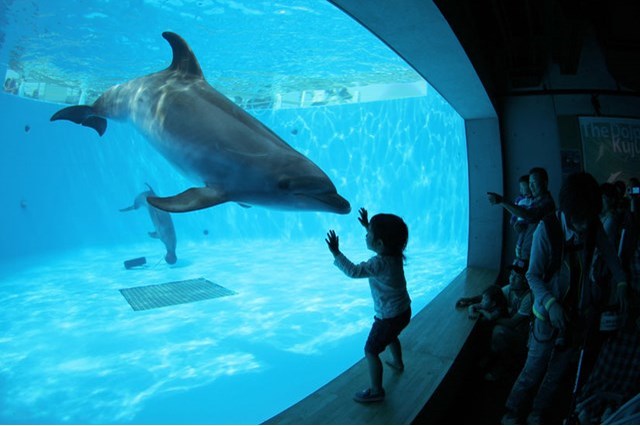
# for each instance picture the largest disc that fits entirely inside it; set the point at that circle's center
(164, 229)
(210, 140)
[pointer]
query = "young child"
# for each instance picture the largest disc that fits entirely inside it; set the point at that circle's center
(387, 236)
(492, 306)
(521, 225)
(524, 199)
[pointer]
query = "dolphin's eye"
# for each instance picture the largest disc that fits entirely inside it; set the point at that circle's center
(284, 183)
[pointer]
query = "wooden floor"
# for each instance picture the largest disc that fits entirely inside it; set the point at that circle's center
(430, 345)
(466, 397)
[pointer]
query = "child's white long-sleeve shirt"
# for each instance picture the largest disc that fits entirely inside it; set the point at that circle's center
(386, 280)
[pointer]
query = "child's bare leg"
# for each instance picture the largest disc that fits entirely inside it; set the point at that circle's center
(375, 372)
(396, 352)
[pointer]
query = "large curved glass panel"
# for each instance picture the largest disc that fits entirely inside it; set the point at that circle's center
(72, 349)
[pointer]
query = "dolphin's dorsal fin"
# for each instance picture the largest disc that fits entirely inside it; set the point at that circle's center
(183, 58)
(152, 192)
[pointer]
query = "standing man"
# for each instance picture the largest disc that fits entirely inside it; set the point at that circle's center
(566, 297)
(541, 205)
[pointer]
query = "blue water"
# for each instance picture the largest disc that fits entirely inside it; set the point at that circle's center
(71, 348)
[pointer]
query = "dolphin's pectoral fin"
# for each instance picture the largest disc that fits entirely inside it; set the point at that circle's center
(246, 206)
(128, 209)
(154, 234)
(82, 114)
(189, 200)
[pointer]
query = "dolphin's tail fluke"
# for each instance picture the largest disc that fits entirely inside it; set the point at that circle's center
(84, 115)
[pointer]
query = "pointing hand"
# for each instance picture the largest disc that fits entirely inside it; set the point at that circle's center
(494, 198)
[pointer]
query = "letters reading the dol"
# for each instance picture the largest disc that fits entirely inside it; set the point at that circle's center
(624, 138)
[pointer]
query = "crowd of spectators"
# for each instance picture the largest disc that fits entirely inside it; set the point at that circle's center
(571, 309)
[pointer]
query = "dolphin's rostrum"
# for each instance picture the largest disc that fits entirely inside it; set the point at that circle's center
(211, 140)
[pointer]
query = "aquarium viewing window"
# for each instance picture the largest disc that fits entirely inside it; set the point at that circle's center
(72, 348)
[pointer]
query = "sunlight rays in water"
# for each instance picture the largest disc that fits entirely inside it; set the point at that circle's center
(74, 351)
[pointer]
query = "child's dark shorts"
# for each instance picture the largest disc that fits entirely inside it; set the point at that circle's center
(385, 331)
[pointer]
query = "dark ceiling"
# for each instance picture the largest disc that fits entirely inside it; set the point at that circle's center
(512, 42)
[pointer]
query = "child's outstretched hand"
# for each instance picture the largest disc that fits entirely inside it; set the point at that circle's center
(364, 217)
(464, 302)
(333, 242)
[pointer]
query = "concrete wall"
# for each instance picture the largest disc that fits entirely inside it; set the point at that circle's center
(532, 125)
(485, 172)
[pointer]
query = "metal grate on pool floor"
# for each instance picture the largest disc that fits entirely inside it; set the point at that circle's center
(173, 293)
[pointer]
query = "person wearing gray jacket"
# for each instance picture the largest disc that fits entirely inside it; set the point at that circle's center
(565, 293)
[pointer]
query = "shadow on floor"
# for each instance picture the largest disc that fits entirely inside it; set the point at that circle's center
(465, 397)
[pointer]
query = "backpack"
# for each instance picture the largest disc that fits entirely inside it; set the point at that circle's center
(559, 247)
(556, 239)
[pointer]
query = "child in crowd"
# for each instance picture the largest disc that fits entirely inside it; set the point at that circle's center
(509, 332)
(492, 306)
(521, 225)
(562, 285)
(539, 206)
(524, 199)
(387, 236)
